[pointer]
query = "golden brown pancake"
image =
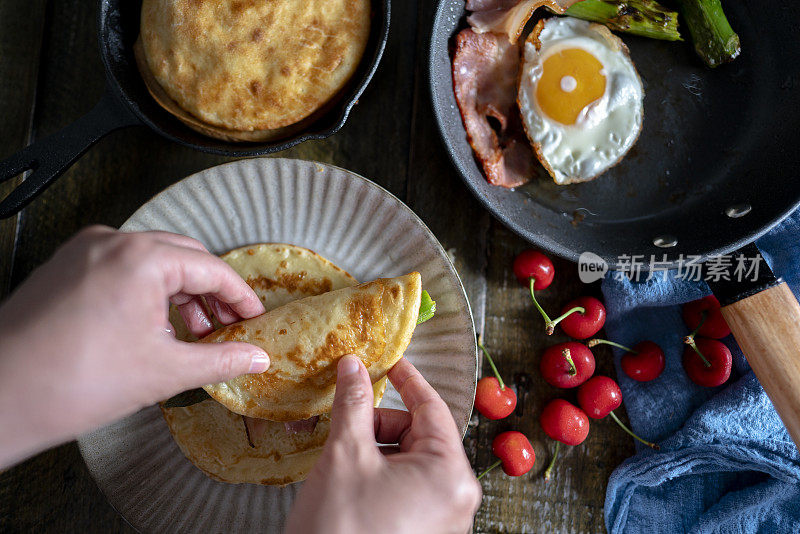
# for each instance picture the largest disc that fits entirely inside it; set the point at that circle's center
(305, 340)
(253, 65)
(226, 134)
(213, 437)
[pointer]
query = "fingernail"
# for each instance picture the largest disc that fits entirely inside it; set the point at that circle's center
(259, 362)
(348, 365)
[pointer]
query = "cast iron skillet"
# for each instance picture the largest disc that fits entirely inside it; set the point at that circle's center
(714, 168)
(126, 102)
(715, 164)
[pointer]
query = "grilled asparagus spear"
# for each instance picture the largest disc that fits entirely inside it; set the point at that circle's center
(714, 39)
(646, 18)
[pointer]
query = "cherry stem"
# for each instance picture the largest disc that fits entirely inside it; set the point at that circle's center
(629, 431)
(594, 342)
(550, 329)
(572, 369)
(703, 317)
(551, 326)
(498, 462)
(549, 471)
(491, 363)
(689, 340)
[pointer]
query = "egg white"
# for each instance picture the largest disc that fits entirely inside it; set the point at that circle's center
(607, 128)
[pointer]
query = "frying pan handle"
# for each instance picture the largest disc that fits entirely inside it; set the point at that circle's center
(51, 156)
(767, 327)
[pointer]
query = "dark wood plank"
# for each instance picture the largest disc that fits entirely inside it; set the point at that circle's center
(376, 138)
(125, 170)
(391, 138)
(21, 25)
(484, 250)
(436, 192)
(113, 178)
(54, 492)
(573, 500)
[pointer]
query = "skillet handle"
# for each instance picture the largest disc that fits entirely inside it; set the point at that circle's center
(767, 327)
(51, 156)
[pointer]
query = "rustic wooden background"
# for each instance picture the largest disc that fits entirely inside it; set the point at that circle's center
(50, 74)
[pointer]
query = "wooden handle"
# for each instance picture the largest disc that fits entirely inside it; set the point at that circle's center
(767, 328)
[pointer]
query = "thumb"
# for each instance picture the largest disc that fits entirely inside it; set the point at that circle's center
(352, 416)
(209, 363)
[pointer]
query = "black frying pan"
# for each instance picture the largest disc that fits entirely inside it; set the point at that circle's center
(126, 102)
(714, 168)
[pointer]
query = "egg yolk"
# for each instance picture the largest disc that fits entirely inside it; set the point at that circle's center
(571, 80)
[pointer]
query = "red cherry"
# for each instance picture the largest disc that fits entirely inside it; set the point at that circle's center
(564, 422)
(535, 271)
(707, 362)
(582, 317)
(645, 363)
(567, 365)
(714, 325)
(599, 397)
(493, 398)
(515, 452)
(494, 401)
(533, 264)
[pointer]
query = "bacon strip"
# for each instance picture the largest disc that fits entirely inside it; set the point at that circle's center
(485, 68)
(255, 428)
(508, 17)
(304, 425)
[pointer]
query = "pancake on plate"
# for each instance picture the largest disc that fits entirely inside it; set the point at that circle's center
(305, 340)
(253, 66)
(215, 439)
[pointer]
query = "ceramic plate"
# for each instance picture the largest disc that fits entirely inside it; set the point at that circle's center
(347, 219)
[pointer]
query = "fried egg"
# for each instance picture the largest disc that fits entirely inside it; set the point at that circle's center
(580, 98)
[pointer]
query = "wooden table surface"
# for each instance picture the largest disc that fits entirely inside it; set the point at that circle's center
(51, 74)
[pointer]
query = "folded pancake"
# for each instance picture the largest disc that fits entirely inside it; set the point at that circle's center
(253, 65)
(216, 439)
(305, 340)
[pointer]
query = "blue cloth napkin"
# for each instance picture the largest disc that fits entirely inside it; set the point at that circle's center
(726, 463)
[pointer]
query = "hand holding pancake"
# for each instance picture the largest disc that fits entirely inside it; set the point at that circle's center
(425, 484)
(85, 340)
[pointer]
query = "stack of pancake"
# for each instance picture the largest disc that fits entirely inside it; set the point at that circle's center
(270, 428)
(247, 70)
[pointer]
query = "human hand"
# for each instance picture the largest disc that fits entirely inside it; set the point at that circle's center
(86, 340)
(425, 484)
